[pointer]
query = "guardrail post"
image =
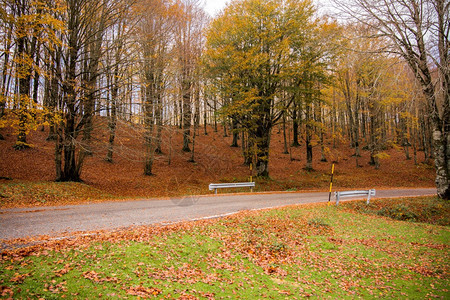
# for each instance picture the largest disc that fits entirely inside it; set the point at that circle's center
(337, 198)
(370, 194)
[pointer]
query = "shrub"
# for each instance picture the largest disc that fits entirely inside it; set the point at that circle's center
(400, 212)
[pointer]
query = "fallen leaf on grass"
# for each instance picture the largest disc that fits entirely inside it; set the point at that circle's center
(142, 291)
(422, 270)
(94, 276)
(4, 291)
(286, 282)
(19, 278)
(57, 288)
(187, 297)
(63, 271)
(285, 292)
(430, 245)
(208, 296)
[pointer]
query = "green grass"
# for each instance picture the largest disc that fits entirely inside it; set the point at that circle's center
(315, 250)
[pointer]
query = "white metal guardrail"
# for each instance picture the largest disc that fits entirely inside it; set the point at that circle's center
(367, 193)
(215, 186)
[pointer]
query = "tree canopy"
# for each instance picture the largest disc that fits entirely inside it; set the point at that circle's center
(256, 54)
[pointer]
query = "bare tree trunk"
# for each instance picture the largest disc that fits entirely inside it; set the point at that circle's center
(348, 101)
(234, 142)
(36, 78)
(187, 112)
(356, 124)
(414, 141)
(58, 151)
(5, 77)
(158, 118)
(205, 114)
(285, 141)
(149, 139)
(424, 139)
(196, 125)
(53, 94)
(374, 134)
(112, 119)
(334, 120)
(295, 124)
(215, 114)
(246, 149)
(112, 124)
(321, 133)
(290, 145)
(309, 131)
(363, 114)
(404, 137)
(180, 110)
(70, 172)
(262, 135)
(196, 119)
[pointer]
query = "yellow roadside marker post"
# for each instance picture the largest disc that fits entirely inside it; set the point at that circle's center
(251, 175)
(331, 184)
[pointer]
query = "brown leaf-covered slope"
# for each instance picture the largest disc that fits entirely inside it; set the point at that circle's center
(215, 161)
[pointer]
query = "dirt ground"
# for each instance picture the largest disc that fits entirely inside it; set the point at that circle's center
(215, 161)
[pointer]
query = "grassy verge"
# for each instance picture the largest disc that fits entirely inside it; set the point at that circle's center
(315, 250)
(432, 210)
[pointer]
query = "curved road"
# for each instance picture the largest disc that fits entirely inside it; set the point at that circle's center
(26, 222)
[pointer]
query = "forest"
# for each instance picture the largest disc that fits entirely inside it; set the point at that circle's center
(375, 78)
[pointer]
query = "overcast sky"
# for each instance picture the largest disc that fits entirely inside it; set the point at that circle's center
(214, 6)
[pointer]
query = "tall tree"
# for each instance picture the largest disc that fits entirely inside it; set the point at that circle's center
(154, 35)
(189, 43)
(249, 56)
(86, 22)
(27, 25)
(24, 58)
(116, 74)
(419, 31)
(313, 58)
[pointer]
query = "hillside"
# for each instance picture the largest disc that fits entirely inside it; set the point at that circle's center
(215, 161)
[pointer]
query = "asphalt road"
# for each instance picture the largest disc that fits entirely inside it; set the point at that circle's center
(27, 222)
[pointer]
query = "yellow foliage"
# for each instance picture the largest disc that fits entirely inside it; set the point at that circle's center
(382, 155)
(27, 115)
